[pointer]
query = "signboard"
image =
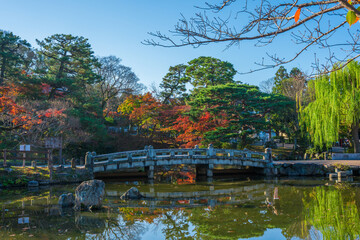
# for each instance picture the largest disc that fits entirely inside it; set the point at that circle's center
(25, 148)
(23, 220)
(53, 142)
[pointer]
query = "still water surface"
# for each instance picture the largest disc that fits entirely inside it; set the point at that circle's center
(222, 209)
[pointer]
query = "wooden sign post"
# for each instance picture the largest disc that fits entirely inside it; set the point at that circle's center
(24, 149)
(55, 143)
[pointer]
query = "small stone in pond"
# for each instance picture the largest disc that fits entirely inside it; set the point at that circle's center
(66, 200)
(33, 184)
(132, 193)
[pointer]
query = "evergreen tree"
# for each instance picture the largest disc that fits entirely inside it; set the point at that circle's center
(280, 75)
(173, 84)
(67, 64)
(246, 109)
(208, 71)
(15, 55)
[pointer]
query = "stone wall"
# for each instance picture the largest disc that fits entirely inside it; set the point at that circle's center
(300, 169)
(345, 156)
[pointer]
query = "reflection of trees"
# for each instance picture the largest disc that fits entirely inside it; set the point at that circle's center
(253, 218)
(43, 221)
(119, 229)
(110, 225)
(229, 222)
(176, 224)
(301, 212)
(333, 212)
(52, 222)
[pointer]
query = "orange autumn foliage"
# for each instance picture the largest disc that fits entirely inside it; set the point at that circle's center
(192, 132)
(7, 101)
(297, 15)
(186, 178)
(141, 109)
(19, 117)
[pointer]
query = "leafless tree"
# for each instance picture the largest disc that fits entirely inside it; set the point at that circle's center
(322, 24)
(294, 87)
(116, 79)
(267, 85)
(154, 89)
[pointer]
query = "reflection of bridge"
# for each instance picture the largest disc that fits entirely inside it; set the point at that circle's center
(203, 158)
(210, 197)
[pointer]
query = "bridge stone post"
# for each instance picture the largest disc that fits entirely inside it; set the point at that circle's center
(269, 170)
(267, 156)
(89, 162)
(150, 157)
(209, 171)
(210, 150)
(150, 171)
(204, 170)
(190, 153)
(129, 157)
(248, 154)
(151, 152)
(73, 163)
(196, 148)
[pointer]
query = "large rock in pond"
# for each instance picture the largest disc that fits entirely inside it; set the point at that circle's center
(67, 200)
(33, 184)
(89, 195)
(132, 193)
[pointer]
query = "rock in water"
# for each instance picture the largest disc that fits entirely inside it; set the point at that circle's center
(132, 193)
(33, 184)
(66, 200)
(89, 195)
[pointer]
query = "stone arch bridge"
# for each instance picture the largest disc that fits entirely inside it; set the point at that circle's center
(203, 158)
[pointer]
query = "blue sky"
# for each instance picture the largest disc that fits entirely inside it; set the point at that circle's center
(117, 27)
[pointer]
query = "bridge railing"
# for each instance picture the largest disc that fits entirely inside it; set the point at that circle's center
(149, 153)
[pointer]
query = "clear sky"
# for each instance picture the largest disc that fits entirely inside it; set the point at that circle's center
(117, 27)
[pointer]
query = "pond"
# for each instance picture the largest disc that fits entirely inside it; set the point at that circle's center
(221, 209)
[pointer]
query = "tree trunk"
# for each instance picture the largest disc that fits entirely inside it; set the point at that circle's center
(2, 72)
(355, 137)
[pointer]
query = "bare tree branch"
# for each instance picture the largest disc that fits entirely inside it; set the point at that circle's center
(318, 25)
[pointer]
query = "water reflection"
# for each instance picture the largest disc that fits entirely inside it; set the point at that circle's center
(217, 210)
(334, 212)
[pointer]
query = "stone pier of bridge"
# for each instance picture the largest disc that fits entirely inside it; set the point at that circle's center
(204, 170)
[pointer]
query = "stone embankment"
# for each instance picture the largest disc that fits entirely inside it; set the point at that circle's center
(312, 167)
(301, 169)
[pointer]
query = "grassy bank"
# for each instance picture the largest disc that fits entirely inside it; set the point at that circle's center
(19, 176)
